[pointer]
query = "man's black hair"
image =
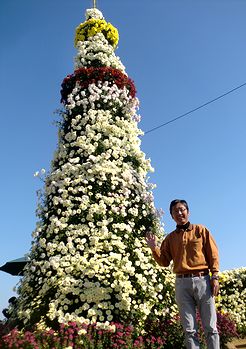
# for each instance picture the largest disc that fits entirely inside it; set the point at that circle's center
(178, 201)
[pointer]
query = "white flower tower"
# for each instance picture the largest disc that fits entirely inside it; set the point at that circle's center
(89, 260)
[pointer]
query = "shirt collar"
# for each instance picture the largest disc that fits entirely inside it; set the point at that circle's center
(187, 226)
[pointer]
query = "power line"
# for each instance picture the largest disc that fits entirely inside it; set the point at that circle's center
(195, 109)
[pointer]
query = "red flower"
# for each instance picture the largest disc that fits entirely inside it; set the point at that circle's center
(87, 76)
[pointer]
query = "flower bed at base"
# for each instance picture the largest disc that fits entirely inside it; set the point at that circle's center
(81, 337)
(167, 334)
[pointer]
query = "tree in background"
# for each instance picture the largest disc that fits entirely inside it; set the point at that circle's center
(88, 261)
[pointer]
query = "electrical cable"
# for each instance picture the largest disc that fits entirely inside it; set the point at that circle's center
(195, 109)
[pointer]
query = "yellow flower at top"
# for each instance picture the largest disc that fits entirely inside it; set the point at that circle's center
(93, 26)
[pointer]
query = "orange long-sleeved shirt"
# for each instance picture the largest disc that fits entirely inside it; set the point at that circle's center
(191, 250)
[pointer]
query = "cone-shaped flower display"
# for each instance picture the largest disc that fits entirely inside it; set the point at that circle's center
(89, 260)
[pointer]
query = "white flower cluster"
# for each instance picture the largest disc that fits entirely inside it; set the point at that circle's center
(93, 13)
(232, 297)
(98, 287)
(89, 260)
(105, 96)
(104, 141)
(96, 49)
(73, 256)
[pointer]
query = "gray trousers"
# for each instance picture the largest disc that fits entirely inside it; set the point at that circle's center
(195, 293)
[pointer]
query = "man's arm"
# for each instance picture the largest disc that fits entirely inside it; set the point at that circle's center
(215, 284)
(160, 255)
(212, 256)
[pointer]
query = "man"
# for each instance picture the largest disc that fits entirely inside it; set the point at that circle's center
(194, 253)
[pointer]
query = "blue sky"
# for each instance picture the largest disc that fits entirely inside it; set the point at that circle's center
(180, 54)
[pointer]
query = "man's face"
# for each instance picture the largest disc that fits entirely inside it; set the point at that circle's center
(180, 214)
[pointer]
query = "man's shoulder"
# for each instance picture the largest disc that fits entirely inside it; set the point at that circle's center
(199, 226)
(168, 236)
(200, 229)
(171, 234)
(192, 226)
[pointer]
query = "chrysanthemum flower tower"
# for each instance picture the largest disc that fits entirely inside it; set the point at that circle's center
(89, 261)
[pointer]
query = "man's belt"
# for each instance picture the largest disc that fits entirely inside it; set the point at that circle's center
(195, 274)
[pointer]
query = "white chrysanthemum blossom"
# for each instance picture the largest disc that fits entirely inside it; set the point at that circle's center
(96, 49)
(232, 297)
(89, 259)
(102, 96)
(93, 13)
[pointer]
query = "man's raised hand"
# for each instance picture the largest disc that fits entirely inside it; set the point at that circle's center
(151, 240)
